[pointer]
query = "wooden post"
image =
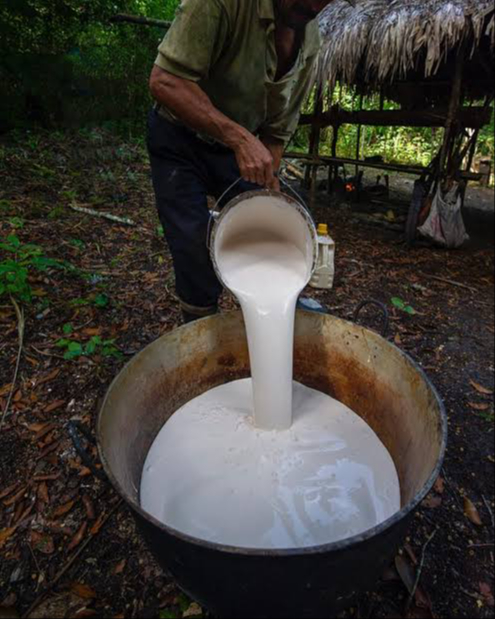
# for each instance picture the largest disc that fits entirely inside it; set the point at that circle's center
(315, 145)
(358, 145)
(452, 115)
(333, 170)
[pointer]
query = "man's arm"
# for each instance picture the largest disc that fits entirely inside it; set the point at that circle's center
(190, 104)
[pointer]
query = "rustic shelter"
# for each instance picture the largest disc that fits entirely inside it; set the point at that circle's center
(434, 58)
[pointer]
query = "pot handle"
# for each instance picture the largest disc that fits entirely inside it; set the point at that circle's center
(79, 433)
(381, 306)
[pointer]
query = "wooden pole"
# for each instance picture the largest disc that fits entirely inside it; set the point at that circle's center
(469, 117)
(314, 146)
(140, 21)
(358, 145)
(335, 140)
(452, 115)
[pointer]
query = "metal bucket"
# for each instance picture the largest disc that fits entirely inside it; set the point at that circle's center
(303, 233)
(356, 366)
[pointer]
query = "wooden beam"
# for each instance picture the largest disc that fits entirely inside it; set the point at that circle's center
(393, 167)
(469, 117)
(334, 161)
(140, 21)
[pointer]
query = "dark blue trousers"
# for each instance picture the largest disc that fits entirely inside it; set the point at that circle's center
(186, 170)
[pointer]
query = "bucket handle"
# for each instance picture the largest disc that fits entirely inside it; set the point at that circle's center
(79, 433)
(381, 306)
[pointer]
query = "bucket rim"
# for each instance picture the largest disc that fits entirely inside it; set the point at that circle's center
(332, 547)
(216, 218)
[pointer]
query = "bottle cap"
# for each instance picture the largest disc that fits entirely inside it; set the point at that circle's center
(323, 229)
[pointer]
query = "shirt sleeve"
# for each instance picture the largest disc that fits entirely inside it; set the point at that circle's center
(285, 106)
(195, 40)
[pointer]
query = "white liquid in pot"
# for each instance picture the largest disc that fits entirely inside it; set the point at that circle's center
(212, 475)
(268, 463)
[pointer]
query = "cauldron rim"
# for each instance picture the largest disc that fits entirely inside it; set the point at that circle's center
(341, 545)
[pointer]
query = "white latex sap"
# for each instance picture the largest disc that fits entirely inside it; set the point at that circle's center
(212, 475)
(268, 463)
(265, 255)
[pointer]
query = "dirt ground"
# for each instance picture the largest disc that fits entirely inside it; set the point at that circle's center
(68, 547)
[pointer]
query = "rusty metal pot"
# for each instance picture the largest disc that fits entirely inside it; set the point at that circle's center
(356, 366)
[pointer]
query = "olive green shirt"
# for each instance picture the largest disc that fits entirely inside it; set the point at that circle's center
(228, 48)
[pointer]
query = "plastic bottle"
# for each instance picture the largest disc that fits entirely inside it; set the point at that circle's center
(324, 274)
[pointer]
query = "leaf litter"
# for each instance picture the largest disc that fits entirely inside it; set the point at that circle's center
(122, 289)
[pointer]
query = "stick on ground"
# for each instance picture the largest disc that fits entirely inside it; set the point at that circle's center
(421, 566)
(70, 562)
(20, 330)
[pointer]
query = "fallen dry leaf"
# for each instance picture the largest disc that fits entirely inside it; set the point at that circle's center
(472, 513)
(89, 507)
(97, 525)
(120, 567)
(5, 390)
(194, 610)
(83, 591)
(42, 432)
(440, 485)
(43, 492)
(42, 543)
(8, 490)
(478, 406)
(63, 509)
(92, 331)
(432, 502)
(49, 377)
(36, 427)
(5, 534)
(54, 406)
(17, 496)
(406, 572)
(78, 537)
(480, 389)
(52, 447)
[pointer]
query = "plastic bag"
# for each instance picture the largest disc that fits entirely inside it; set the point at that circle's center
(445, 224)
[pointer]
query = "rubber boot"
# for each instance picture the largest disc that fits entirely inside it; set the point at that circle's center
(189, 316)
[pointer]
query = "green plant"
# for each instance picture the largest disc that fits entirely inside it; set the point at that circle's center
(96, 345)
(56, 213)
(403, 306)
(16, 222)
(15, 269)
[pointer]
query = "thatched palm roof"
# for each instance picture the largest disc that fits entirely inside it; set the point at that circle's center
(381, 41)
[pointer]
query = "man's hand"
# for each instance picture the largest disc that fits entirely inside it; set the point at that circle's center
(255, 162)
(192, 105)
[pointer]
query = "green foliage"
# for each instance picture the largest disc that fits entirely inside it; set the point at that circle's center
(81, 71)
(16, 222)
(96, 345)
(406, 145)
(403, 306)
(20, 259)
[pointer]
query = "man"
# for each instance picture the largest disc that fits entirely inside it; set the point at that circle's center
(229, 81)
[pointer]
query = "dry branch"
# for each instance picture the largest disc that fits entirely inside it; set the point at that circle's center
(115, 218)
(140, 21)
(20, 330)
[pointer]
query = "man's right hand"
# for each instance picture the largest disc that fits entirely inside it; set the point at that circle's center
(255, 162)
